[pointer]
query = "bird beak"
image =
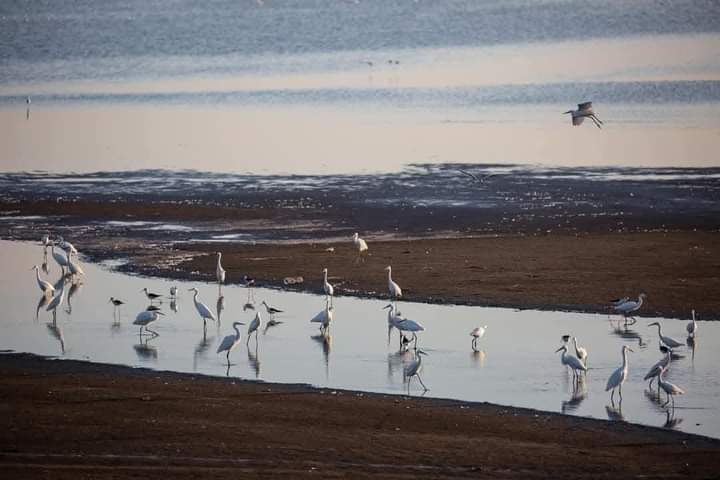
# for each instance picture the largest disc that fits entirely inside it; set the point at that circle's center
(558, 349)
(387, 306)
(160, 313)
(569, 111)
(631, 349)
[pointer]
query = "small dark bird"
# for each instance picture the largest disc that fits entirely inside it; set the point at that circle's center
(115, 301)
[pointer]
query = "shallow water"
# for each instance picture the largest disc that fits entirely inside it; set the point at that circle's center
(515, 366)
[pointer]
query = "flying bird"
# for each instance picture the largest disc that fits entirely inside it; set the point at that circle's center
(584, 111)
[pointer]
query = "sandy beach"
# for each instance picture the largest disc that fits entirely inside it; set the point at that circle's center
(66, 419)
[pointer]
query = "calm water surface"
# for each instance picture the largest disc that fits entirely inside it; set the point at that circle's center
(516, 364)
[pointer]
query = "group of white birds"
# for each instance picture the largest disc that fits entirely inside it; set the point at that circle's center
(70, 268)
(578, 362)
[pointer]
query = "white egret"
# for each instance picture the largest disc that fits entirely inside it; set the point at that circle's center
(670, 389)
(201, 308)
(619, 376)
(67, 246)
(659, 366)
(45, 286)
(584, 110)
(145, 318)
(414, 368)
(669, 342)
(360, 245)
(407, 325)
(477, 333)
(271, 310)
(73, 267)
(230, 341)
(571, 361)
(393, 288)
(580, 352)
(150, 295)
(324, 318)
(59, 258)
(219, 271)
(57, 300)
(691, 327)
(392, 319)
(254, 327)
(327, 288)
(629, 306)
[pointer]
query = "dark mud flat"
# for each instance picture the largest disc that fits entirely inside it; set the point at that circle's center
(69, 419)
(522, 237)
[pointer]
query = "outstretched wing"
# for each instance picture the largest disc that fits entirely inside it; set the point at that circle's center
(585, 106)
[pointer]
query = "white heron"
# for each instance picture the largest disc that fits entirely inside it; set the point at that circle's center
(254, 327)
(619, 376)
(659, 366)
(67, 246)
(45, 286)
(230, 341)
(580, 352)
(57, 300)
(407, 325)
(692, 327)
(145, 318)
(584, 110)
(393, 288)
(571, 361)
(393, 319)
(670, 389)
(59, 258)
(667, 341)
(271, 310)
(150, 295)
(73, 267)
(327, 288)
(414, 368)
(201, 308)
(360, 244)
(219, 271)
(629, 306)
(477, 334)
(324, 318)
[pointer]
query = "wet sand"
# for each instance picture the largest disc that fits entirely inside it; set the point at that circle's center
(65, 419)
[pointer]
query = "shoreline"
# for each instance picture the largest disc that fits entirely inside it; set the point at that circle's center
(236, 424)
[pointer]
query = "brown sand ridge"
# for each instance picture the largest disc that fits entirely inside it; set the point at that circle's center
(68, 419)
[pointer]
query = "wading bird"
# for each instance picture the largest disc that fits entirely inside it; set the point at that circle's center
(116, 304)
(45, 286)
(670, 389)
(145, 318)
(173, 291)
(219, 271)
(414, 368)
(580, 352)
(477, 333)
(360, 245)
(584, 110)
(393, 319)
(571, 361)
(393, 288)
(201, 308)
(271, 310)
(691, 327)
(73, 267)
(407, 325)
(150, 295)
(619, 376)
(59, 258)
(254, 327)
(629, 306)
(659, 366)
(57, 300)
(327, 288)
(324, 318)
(230, 341)
(66, 246)
(669, 342)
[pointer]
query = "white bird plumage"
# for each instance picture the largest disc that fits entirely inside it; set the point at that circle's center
(219, 270)
(571, 361)
(324, 318)
(477, 333)
(45, 286)
(584, 111)
(619, 376)
(59, 257)
(359, 243)
(692, 327)
(327, 288)
(667, 341)
(145, 318)
(670, 389)
(73, 267)
(202, 309)
(57, 300)
(655, 370)
(254, 326)
(580, 352)
(414, 368)
(629, 306)
(230, 341)
(393, 288)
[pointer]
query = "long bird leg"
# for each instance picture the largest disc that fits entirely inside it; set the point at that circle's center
(595, 117)
(421, 382)
(154, 333)
(595, 121)
(228, 358)
(612, 396)
(620, 391)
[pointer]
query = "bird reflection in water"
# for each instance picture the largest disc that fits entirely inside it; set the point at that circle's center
(55, 332)
(174, 304)
(144, 350)
(254, 360)
(626, 333)
(325, 341)
(478, 358)
(219, 307)
(692, 344)
(397, 361)
(41, 303)
(579, 394)
(202, 347)
(615, 413)
(671, 421)
(74, 290)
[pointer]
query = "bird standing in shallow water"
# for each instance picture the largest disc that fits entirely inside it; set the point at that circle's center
(271, 310)
(45, 286)
(145, 318)
(477, 333)
(327, 288)
(201, 308)
(414, 368)
(150, 295)
(667, 341)
(619, 376)
(629, 306)
(692, 327)
(254, 327)
(230, 341)
(219, 272)
(659, 366)
(573, 362)
(670, 389)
